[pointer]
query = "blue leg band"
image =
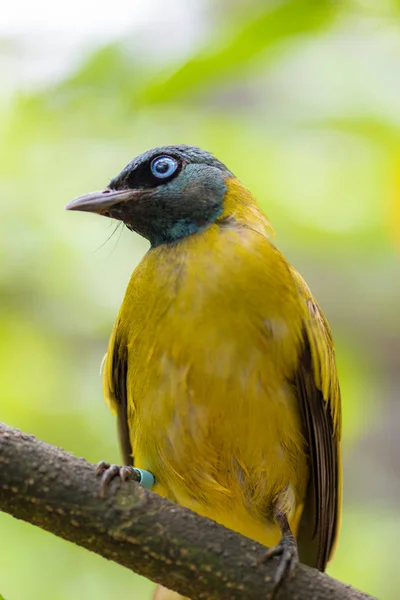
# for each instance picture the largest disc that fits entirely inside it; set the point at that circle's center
(146, 478)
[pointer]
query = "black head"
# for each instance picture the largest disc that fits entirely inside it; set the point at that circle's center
(164, 194)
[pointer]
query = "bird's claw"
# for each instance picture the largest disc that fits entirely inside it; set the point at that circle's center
(109, 472)
(286, 550)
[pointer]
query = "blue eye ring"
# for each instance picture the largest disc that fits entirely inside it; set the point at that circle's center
(163, 167)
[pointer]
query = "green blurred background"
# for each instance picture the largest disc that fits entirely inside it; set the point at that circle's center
(301, 99)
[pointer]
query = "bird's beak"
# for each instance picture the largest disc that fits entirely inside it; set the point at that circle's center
(100, 202)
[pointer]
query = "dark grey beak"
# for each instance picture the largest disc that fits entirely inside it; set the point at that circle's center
(100, 202)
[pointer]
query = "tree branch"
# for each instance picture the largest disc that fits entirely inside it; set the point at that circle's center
(171, 545)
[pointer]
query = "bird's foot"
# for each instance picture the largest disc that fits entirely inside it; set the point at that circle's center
(109, 472)
(286, 550)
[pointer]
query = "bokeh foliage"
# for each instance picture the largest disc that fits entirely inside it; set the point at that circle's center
(300, 99)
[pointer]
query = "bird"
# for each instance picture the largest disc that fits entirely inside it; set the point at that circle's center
(221, 366)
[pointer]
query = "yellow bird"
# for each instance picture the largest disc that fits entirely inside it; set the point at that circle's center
(221, 366)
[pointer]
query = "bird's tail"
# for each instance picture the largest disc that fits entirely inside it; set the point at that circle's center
(163, 593)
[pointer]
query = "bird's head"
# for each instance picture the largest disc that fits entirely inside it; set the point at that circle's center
(164, 194)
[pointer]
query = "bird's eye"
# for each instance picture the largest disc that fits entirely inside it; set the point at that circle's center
(163, 167)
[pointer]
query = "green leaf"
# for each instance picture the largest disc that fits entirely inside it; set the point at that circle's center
(240, 42)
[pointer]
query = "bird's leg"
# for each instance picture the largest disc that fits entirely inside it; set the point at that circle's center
(286, 550)
(125, 473)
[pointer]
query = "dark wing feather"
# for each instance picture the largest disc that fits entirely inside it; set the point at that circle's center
(318, 393)
(115, 390)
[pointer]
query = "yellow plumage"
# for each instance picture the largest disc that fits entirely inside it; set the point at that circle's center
(221, 366)
(209, 338)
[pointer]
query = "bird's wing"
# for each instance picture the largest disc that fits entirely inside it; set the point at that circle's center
(318, 393)
(115, 391)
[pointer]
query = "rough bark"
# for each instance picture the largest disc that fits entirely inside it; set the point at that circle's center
(171, 545)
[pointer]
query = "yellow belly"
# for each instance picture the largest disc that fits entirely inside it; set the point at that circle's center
(225, 454)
